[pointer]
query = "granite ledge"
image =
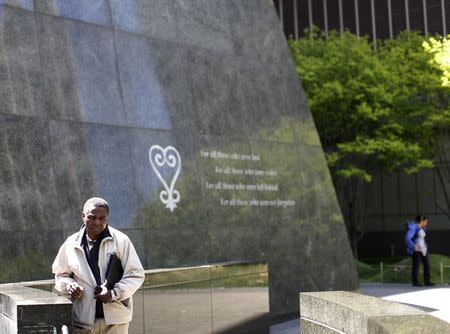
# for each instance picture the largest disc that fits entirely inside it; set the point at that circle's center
(348, 312)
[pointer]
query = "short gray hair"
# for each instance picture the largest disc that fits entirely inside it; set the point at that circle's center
(95, 202)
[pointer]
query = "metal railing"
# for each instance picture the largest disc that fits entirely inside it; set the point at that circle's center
(396, 273)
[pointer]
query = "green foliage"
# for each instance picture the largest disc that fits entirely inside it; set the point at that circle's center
(373, 109)
(440, 49)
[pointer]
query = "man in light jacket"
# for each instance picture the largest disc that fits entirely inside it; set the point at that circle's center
(80, 268)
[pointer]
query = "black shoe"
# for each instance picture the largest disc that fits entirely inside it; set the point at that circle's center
(417, 284)
(430, 284)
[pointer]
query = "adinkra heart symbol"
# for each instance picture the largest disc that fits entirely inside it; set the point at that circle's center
(160, 158)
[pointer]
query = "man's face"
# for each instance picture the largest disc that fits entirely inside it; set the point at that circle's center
(95, 221)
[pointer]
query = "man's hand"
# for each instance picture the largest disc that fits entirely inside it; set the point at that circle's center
(104, 297)
(75, 290)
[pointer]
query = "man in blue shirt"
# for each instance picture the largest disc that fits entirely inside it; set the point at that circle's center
(417, 248)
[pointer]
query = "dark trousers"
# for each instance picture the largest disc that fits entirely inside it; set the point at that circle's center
(416, 258)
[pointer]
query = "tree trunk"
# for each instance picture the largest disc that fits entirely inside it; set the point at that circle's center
(349, 190)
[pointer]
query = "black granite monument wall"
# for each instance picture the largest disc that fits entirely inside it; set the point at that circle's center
(187, 116)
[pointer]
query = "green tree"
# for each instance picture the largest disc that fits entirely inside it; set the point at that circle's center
(374, 110)
(439, 48)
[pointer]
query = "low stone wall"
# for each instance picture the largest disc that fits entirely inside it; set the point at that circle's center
(26, 310)
(332, 312)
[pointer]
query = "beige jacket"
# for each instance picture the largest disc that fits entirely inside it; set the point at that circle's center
(70, 265)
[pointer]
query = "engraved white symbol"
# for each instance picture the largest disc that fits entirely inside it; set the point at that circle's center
(160, 157)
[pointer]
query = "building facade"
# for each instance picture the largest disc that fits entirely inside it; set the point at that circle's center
(385, 205)
(378, 19)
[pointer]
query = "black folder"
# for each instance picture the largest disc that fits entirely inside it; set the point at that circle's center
(113, 274)
(114, 271)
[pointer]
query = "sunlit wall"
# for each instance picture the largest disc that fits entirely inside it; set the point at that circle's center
(187, 116)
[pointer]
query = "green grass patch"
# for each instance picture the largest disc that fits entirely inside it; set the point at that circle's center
(398, 269)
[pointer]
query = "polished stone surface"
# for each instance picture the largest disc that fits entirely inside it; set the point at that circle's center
(155, 18)
(21, 87)
(205, 24)
(71, 171)
(92, 52)
(27, 180)
(94, 11)
(78, 66)
(25, 4)
(87, 92)
(155, 82)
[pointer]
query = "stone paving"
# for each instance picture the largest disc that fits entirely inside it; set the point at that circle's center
(434, 300)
